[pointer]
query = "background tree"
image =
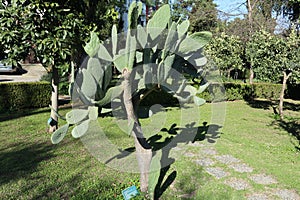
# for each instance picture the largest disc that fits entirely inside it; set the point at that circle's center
(202, 15)
(55, 31)
(226, 52)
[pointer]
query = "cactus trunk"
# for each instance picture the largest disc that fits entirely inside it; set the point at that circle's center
(143, 149)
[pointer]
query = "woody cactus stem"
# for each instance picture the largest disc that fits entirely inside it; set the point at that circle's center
(143, 149)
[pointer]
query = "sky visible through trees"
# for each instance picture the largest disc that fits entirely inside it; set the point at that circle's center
(230, 9)
(235, 8)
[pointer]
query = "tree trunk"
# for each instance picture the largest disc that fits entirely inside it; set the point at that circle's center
(143, 149)
(250, 20)
(251, 75)
(54, 100)
(281, 98)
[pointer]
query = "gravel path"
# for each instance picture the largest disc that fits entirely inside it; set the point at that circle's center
(227, 168)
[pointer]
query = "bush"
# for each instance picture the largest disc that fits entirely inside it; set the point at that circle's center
(242, 91)
(17, 96)
(215, 92)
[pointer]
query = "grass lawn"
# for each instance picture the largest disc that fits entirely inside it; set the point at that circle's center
(32, 168)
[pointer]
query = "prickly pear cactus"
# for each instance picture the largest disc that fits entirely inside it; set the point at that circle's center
(154, 55)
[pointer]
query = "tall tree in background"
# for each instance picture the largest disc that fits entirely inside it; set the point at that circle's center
(55, 31)
(202, 15)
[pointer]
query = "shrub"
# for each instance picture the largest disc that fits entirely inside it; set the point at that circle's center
(17, 96)
(240, 91)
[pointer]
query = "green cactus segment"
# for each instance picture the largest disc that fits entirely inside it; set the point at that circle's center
(104, 54)
(94, 68)
(171, 40)
(157, 24)
(161, 73)
(107, 76)
(75, 116)
(80, 129)
(168, 63)
(134, 12)
(105, 110)
(114, 38)
(202, 88)
(202, 37)
(181, 87)
(91, 48)
(148, 79)
(111, 94)
(93, 112)
(199, 62)
(84, 99)
(154, 173)
(89, 84)
(199, 101)
(141, 36)
(120, 61)
(59, 134)
(191, 90)
(195, 42)
(139, 56)
(131, 48)
(183, 28)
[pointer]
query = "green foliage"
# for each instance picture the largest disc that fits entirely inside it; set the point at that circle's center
(204, 16)
(270, 55)
(17, 96)
(57, 38)
(226, 52)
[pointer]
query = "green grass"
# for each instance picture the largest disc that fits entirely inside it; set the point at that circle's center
(33, 168)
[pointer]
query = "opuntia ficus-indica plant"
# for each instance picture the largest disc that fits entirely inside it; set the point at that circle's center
(150, 58)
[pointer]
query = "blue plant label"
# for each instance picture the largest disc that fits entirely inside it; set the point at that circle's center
(130, 192)
(49, 121)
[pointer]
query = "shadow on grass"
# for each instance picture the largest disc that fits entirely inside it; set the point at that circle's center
(267, 104)
(176, 135)
(169, 138)
(292, 126)
(20, 161)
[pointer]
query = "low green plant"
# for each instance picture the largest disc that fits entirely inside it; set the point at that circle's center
(17, 96)
(242, 91)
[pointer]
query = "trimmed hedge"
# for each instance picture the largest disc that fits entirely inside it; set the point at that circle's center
(242, 91)
(17, 96)
(234, 91)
